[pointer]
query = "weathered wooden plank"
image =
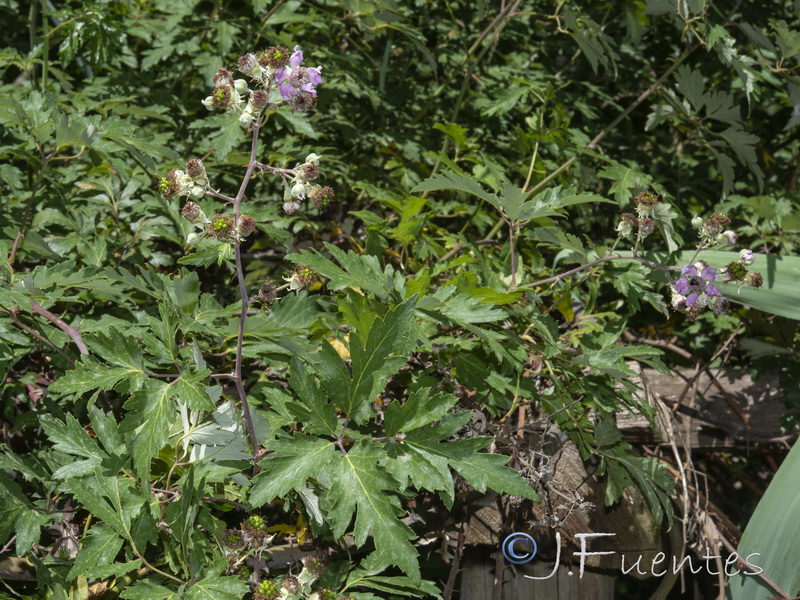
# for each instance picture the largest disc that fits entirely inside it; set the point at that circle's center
(722, 411)
(479, 581)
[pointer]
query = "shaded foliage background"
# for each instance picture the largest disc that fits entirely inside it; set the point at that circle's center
(100, 99)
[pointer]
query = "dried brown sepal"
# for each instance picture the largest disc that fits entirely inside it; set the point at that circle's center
(291, 584)
(648, 198)
(246, 225)
(274, 57)
(309, 171)
(322, 197)
(195, 168)
(267, 293)
(192, 212)
(259, 100)
(314, 565)
(233, 538)
(715, 224)
(222, 77)
(646, 227)
(247, 63)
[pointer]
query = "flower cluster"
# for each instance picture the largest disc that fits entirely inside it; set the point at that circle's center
(224, 229)
(695, 291)
(301, 187)
(737, 271)
(270, 68)
(227, 92)
(290, 587)
(297, 84)
(713, 231)
(642, 221)
(191, 182)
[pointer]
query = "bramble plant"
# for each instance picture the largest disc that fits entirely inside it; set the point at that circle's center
(269, 328)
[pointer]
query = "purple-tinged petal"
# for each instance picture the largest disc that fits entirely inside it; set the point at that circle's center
(307, 87)
(281, 74)
(689, 271)
(296, 58)
(712, 291)
(313, 75)
(682, 286)
(691, 299)
(709, 274)
(286, 90)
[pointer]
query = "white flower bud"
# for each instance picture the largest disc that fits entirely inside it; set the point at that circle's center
(624, 228)
(299, 190)
(191, 239)
(246, 118)
(702, 301)
(197, 191)
(240, 85)
(697, 222)
(208, 103)
(312, 158)
(747, 257)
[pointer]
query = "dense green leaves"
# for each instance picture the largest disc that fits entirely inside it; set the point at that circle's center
(465, 285)
(295, 460)
(360, 488)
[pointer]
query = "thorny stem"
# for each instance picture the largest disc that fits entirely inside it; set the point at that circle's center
(237, 202)
(238, 505)
(340, 439)
(74, 334)
(560, 276)
(219, 195)
(39, 336)
(513, 261)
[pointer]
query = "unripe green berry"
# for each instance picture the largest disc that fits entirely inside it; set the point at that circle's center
(267, 588)
(256, 522)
